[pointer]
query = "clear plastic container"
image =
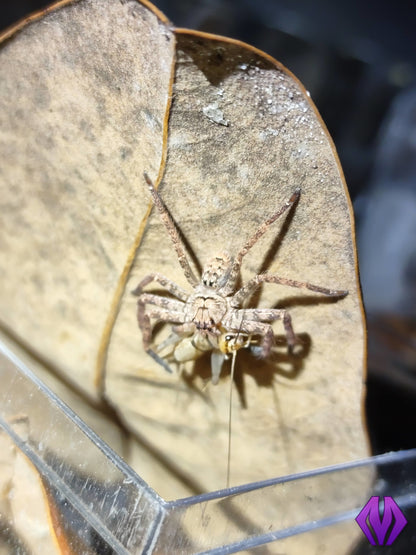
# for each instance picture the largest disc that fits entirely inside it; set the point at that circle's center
(103, 506)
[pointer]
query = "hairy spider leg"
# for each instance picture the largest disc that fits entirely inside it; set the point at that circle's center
(173, 232)
(229, 285)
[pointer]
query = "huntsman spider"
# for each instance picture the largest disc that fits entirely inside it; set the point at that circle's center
(212, 318)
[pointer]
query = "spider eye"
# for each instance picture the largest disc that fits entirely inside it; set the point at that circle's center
(228, 337)
(209, 282)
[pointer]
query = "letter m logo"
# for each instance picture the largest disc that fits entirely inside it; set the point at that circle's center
(381, 528)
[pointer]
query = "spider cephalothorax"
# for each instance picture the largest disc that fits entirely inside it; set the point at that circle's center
(213, 317)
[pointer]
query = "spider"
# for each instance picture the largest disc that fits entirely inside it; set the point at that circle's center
(212, 318)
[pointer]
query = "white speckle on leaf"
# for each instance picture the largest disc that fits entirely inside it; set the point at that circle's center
(269, 132)
(214, 114)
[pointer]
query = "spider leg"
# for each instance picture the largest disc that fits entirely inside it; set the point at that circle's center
(172, 305)
(256, 322)
(248, 289)
(235, 269)
(173, 232)
(267, 334)
(163, 309)
(168, 284)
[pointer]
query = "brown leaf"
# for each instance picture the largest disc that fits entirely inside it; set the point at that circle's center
(82, 110)
(23, 502)
(220, 182)
(85, 108)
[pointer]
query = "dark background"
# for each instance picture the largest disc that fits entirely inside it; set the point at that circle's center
(358, 60)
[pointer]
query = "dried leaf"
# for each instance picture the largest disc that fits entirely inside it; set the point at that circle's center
(82, 110)
(24, 508)
(85, 108)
